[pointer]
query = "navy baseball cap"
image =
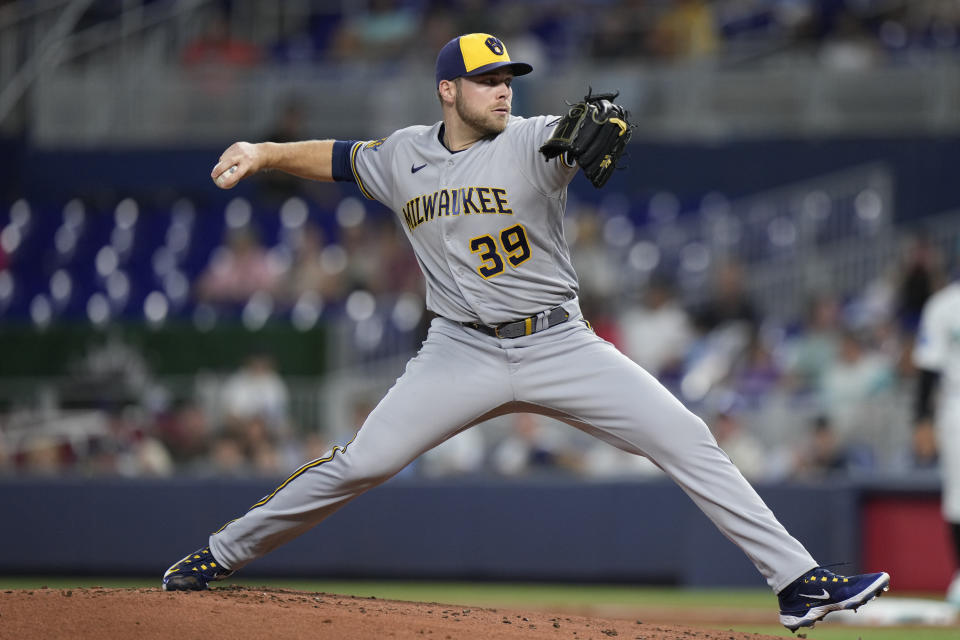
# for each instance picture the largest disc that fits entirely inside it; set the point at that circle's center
(473, 54)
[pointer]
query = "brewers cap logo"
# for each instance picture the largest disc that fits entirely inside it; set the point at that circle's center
(494, 45)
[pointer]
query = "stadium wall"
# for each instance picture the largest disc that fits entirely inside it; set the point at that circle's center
(546, 529)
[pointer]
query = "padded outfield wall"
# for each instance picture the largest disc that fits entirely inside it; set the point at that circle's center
(549, 529)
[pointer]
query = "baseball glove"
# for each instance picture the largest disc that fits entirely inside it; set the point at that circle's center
(594, 133)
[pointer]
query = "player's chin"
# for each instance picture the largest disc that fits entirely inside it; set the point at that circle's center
(498, 121)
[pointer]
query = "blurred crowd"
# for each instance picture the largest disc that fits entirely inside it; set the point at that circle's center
(825, 391)
(828, 391)
(846, 33)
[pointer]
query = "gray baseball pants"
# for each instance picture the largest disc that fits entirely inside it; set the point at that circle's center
(565, 372)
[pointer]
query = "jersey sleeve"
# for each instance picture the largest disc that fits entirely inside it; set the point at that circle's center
(371, 162)
(547, 176)
(930, 348)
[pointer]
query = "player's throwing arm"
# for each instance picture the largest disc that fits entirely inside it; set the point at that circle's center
(311, 159)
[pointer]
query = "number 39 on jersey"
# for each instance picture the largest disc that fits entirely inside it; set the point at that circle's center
(513, 248)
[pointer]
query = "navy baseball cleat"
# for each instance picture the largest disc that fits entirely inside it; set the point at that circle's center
(194, 572)
(816, 593)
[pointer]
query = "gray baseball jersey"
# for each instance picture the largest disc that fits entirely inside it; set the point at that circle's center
(486, 225)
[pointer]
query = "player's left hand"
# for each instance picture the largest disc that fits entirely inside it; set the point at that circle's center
(240, 160)
(595, 133)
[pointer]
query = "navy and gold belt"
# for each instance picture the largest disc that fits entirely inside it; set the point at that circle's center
(525, 327)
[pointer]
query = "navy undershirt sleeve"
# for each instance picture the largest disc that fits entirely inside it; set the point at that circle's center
(341, 161)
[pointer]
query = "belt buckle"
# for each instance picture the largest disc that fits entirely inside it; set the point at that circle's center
(496, 332)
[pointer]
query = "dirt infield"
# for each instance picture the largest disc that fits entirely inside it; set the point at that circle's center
(243, 612)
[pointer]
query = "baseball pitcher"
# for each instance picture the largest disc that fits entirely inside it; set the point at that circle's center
(481, 196)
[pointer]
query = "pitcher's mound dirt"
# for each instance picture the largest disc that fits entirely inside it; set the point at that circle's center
(237, 612)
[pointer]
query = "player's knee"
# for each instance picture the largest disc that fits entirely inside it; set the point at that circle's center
(695, 431)
(366, 474)
(685, 433)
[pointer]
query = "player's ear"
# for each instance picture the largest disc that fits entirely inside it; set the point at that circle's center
(447, 91)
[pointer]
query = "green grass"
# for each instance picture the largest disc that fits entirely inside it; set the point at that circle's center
(518, 595)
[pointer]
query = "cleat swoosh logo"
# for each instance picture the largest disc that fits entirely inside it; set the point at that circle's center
(414, 168)
(824, 596)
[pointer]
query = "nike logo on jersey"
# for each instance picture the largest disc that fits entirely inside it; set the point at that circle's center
(823, 596)
(414, 168)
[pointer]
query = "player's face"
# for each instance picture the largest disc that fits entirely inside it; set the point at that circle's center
(483, 102)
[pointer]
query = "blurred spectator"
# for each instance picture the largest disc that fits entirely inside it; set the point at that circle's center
(186, 432)
(439, 25)
(687, 30)
(256, 420)
(921, 274)
(216, 60)
(746, 451)
(823, 453)
(227, 457)
(774, 22)
(216, 47)
(148, 458)
(383, 32)
(531, 447)
(876, 302)
(260, 446)
(729, 302)
(360, 411)
(238, 270)
(656, 334)
(400, 272)
(858, 375)
(6, 458)
(314, 447)
(463, 453)
(603, 460)
(256, 395)
(726, 321)
(921, 455)
(475, 16)
(851, 46)
(939, 23)
(309, 272)
(621, 31)
(811, 352)
(524, 45)
(598, 271)
(364, 264)
(276, 187)
(44, 456)
(127, 449)
(756, 374)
